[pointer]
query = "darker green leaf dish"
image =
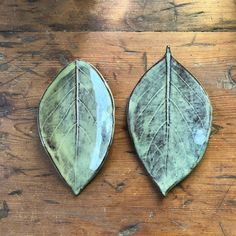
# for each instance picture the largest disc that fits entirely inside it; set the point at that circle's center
(76, 123)
(169, 119)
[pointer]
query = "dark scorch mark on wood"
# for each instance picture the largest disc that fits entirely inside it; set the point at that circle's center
(194, 43)
(216, 128)
(4, 210)
(8, 44)
(5, 106)
(123, 46)
(33, 53)
(11, 156)
(195, 14)
(187, 202)
(231, 74)
(119, 187)
(145, 61)
(51, 201)
(7, 34)
(184, 189)
(2, 56)
(229, 82)
(232, 202)
(51, 72)
(129, 230)
(8, 171)
(63, 56)
(174, 5)
(115, 76)
(224, 25)
(178, 224)
(4, 67)
(143, 173)
(16, 192)
(94, 23)
(226, 177)
(31, 71)
(59, 222)
(223, 198)
(132, 152)
(59, 27)
(29, 39)
(44, 175)
(4, 147)
(222, 229)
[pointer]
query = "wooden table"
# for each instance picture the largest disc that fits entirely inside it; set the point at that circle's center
(37, 38)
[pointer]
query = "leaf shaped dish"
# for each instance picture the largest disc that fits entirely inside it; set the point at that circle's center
(169, 120)
(76, 123)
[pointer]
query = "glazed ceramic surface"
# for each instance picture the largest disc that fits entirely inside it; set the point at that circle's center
(169, 119)
(76, 123)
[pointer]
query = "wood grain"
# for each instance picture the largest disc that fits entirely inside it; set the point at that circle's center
(121, 200)
(111, 15)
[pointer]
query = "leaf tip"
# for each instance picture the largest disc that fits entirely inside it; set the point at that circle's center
(76, 64)
(76, 191)
(168, 51)
(164, 193)
(164, 189)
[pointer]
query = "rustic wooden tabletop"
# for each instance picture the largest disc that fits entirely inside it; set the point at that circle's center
(122, 39)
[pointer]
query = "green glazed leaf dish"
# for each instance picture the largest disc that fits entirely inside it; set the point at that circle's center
(76, 123)
(169, 119)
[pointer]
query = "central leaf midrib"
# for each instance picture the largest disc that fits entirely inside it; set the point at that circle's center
(167, 96)
(77, 119)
